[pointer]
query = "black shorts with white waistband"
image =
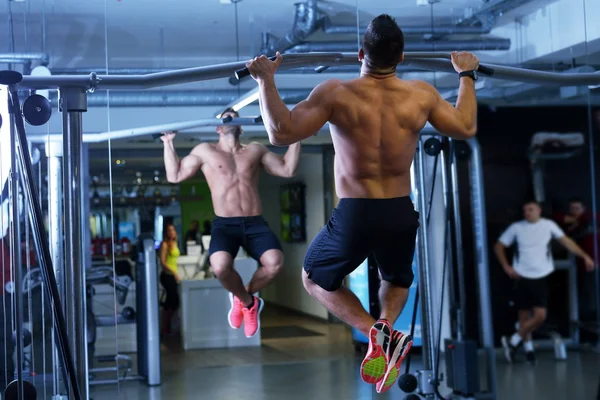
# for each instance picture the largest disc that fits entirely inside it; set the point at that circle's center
(384, 228)
(251, 233)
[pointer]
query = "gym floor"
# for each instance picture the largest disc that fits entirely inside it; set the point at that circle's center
(324, 366)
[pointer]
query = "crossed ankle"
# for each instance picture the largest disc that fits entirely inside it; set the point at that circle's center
(248, 306)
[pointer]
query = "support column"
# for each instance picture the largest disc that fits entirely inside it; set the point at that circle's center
(54, 153)
(458, 242)
(15, 225)
(482, 262)
(425, 278)
(73, 102)
(448, 251)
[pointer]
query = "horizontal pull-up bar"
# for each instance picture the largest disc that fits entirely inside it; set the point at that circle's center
(437, 62)
(154, 130)
(157, 130)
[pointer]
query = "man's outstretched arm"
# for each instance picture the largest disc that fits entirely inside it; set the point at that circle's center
(285, 126)
(570, 245)
(177, 170)
(285, 166)
(458, 122)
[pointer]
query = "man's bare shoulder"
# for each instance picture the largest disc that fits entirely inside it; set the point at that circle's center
(329, 87)
(202, 149)
(422, 85)
(258, 147)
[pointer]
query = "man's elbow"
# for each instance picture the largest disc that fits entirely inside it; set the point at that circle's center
(289, 173)
(173, 179)
(468, 132)
(280, 140)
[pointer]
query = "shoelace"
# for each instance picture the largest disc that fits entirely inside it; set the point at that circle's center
(249, 314)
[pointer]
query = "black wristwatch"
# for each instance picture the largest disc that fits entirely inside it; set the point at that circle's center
(471, 74)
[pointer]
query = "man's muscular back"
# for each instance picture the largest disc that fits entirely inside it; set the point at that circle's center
(375, 126)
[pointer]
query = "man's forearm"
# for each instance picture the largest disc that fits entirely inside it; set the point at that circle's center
(171, 162)
(276, 115)
(291, 158)
(574, 248)
(467, 102)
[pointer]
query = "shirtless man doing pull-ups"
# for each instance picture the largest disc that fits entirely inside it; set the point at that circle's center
(232, 170)
(375, 122)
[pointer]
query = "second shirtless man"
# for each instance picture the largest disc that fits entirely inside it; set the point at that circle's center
(232, 170)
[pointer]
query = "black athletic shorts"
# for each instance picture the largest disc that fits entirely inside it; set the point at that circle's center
(251, 233)
(530, 293)
(385, 228)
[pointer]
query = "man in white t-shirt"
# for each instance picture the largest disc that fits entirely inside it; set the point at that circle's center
(531, 266)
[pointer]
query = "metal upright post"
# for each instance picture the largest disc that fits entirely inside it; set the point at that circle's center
(148, 333)
(448, 251)
(460, 258)
(482, 262)
(42, 246)
(54, 153)
(73, 102)
(425, 278)
(16, 256)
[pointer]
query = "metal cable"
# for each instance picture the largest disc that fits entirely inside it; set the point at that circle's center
(112, 210)
(43, 289)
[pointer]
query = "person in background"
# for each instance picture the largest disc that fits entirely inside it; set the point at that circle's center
(169, 278)
(530, 268)
(578, 223)
(193, 234)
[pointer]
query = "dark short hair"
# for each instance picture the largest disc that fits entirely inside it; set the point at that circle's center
(532, 201)
(383, 43)
(230, 110)
(575, 199)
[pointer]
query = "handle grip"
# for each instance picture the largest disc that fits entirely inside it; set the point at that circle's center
(225, 120)
(487, 71)
(244, 72)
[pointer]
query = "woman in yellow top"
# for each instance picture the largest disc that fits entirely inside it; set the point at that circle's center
(169, 278)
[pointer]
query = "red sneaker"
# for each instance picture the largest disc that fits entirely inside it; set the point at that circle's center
(235, 315)
(251, 317)
(373, 367)
(400, 345)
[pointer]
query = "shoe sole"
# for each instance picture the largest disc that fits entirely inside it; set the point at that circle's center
(507, 351)
(260, 307)
(230, 311)
(393, 370)
(374, 365)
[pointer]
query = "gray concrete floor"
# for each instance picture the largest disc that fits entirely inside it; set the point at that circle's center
(574, 379)
(326, 366)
